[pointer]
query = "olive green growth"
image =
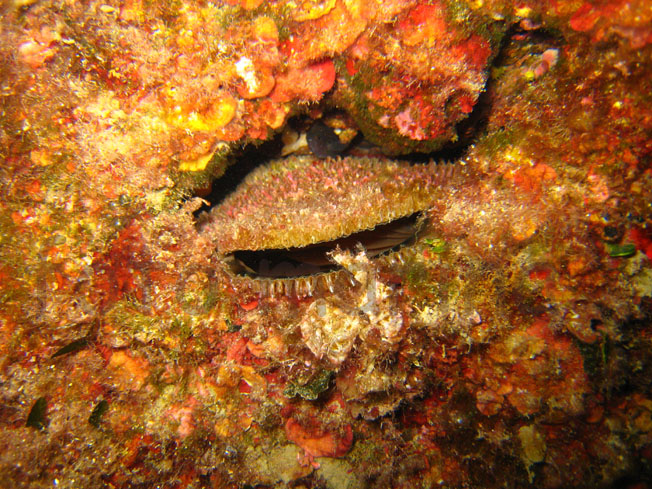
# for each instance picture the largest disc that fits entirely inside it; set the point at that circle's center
(72, 347)
(620, 250)
(232, 327)
(311, 390)
(97, 413)
(437, 245)
(36, 417)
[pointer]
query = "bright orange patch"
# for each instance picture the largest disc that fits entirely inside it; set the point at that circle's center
(584, 18)
(249, 306)
(424, 24)
(317, 441)
(307, 83)
(264, 84)
(531, 179)
(250, 4)
(128, 371)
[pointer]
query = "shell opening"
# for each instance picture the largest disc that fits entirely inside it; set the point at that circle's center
(314, 259)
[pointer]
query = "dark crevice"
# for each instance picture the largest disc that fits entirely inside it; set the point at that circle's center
(314, 259)
(250, 158)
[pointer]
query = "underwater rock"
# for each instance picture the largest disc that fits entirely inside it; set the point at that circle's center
(508, 337)
(319, 440)
(408, 83)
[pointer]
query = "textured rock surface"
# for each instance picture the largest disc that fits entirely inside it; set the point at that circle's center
(409, 82)
(509, 346)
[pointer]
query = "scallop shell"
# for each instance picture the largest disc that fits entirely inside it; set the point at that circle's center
(298, 201)
(302, 200)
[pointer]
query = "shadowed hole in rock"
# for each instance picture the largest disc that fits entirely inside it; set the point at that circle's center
(314, 259)
(254, 155)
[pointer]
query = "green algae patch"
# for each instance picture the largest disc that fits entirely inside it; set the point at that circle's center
(37, 415)
(98, 412)
(72, 347)
(437, 245)
(311, 390)
(620, 250)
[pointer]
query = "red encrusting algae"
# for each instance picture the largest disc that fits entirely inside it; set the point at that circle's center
(507, 343)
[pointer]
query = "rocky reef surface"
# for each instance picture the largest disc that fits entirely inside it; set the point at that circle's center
(462, 298)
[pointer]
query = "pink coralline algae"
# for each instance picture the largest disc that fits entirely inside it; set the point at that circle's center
(408, 127)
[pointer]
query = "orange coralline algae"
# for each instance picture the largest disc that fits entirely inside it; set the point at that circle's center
(251, 4)
(525, 356)
(307, 84)
(629, 19)
(265, 29)
(318, 440)
(312, 9)
(256, 83)
(246, 4)
(424, 24)
(116, 275)
(129, 371)
(585, 18)
(532, 179)
(475, 50)
(274, 114)
(35, 54)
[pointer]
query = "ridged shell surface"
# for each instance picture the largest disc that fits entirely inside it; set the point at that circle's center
(298, 201)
